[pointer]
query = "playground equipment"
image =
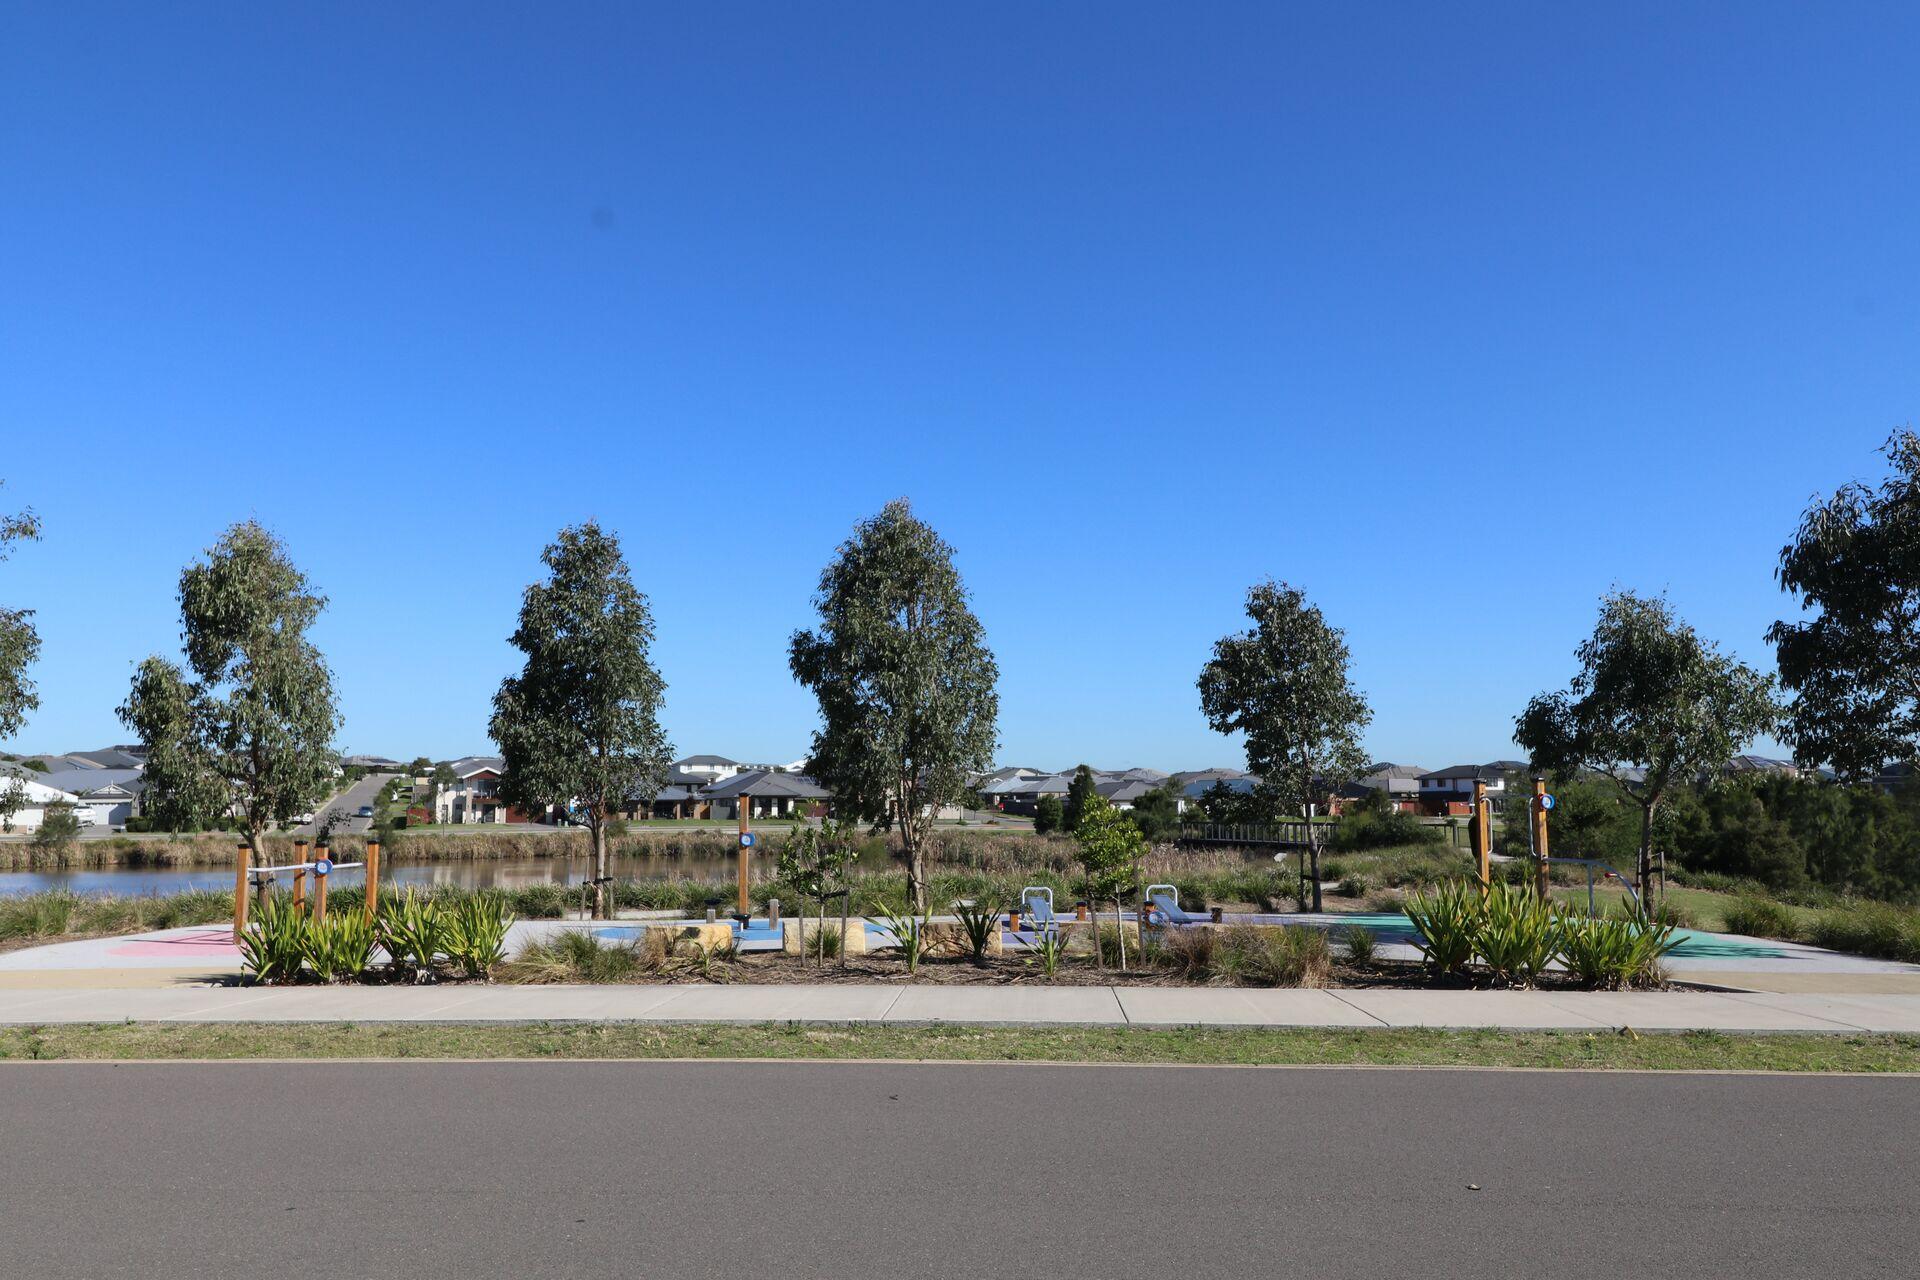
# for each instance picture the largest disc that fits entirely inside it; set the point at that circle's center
(1609, 874)
(261, 880)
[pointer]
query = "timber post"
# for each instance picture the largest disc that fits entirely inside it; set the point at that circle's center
(242, 857)
(1540, 884)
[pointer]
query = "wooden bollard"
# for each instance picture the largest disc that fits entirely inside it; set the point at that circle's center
(373, 877)
(241, 858)
(323, 854)
(300, 877)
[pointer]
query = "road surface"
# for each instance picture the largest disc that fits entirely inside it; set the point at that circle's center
(851, 1170)
(348, 803)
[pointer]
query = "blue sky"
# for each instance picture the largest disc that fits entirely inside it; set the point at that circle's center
(1454, 316)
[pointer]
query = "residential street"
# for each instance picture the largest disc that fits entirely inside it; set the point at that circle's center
(361, 792)
(709, 1169)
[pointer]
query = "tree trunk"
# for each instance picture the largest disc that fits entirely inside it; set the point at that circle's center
(1313, 855)
(1644, 872)
(1120, 931)
(910, 843)
(1093, 923)
(599, 831)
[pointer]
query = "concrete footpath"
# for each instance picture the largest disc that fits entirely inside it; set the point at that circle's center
(908, 1005)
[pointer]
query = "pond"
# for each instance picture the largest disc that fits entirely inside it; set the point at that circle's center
(510, 873)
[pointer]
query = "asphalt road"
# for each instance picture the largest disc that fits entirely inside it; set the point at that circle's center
(853, 1170)
(348, 802)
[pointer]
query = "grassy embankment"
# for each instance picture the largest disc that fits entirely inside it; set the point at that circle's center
(1691, 1051)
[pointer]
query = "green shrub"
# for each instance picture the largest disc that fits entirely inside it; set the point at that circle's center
(1373, 829)
(1189, 952)
(273, 946)
(1870, 929)
(1758, 917)
(339, 947)
(1518, 934)
(1275, 957)
(978, 924)
(1361, 943)
(909, 931)
(412, 928)
(1446, 925)
(1047, 950)
(1614, 951)
(578, 955)
(1355, 884)
(475, 934)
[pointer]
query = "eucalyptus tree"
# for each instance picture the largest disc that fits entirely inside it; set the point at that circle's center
(244, 729)
(19, 642)
(905, 682)
(1285, 685)
(1080, 793)
(1854, 667)
(580, 725)
(1652, 707)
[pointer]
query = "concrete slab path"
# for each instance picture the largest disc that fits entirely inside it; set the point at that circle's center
(1003, 1006)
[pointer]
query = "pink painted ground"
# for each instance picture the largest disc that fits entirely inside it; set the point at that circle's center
(207, 944)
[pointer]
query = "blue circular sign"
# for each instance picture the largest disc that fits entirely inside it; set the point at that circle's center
(323, 867)
(1546, 800)
(746, 840)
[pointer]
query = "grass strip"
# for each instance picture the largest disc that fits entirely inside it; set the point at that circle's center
(1688, 1051)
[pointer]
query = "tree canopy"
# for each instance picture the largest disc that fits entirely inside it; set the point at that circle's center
(1284, 684)
(1081, 792)
(1653, 704)
(579, 725)
(905, 681)
(246, 727)
(1854, 667)
(19, 642)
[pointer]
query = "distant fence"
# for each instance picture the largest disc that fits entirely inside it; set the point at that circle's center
(1278, 835)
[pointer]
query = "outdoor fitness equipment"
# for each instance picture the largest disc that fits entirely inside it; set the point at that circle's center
(1166, 907)
(261, 879)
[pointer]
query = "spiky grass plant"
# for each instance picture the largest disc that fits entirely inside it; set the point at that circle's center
(339, 947)
(909, 931)
(1519, 935)
(1446, 923)
(413, 929)
(1048, 949)
(273, 946)
(978, 925)
(475, 934)
(1361, 943)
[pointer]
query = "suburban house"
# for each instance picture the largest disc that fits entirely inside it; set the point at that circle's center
(34, 797)
(1400, 783)
(767, 793)
(110, 795)
(1448, 792)
(474, 794)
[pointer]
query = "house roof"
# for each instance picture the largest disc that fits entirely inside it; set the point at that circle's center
(712, 760)
(1123, 789)
(764, 782)
(37, 792)
(126, 757)
(82, 781)
(1468, 772)
(1243, 784)
(469, 766)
